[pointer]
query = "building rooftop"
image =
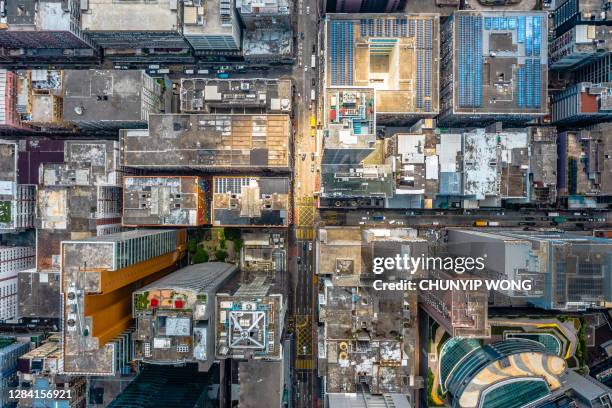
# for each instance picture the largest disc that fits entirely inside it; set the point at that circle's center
(103, 95)
(265, 43)
(480, 158)
(462, 313)
(367, 52)
(263, 379)
(250, 321)
(222, 96)
(37, 15)
(250, 201)
(258, 7)
(139, 15)
(184, 301)
(500, 62)
(209, 142)
(168, 201)
(264, 252)
(209, 18)
(346, 253)
(350, 118)
(356, 400)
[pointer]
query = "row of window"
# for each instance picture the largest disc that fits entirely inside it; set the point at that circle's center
(138, 249)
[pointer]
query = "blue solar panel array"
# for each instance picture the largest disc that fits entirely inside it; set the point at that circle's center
(529, 84)
(386, 27)
(341, 52)
(470, 61)
(528, 32)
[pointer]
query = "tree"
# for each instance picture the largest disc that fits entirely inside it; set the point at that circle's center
(220, 255)
(192, 246)
(200, 256)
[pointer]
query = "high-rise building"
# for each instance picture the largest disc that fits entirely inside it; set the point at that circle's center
(494, 67)
(133, 31)
(39, 370)
(462, 313)
(396, 56)
(512, 373)
(184, 303)
(264, 15)
(212, 27)
(98, 276)
(481, 168)
(571, 13)
(365, 342)
(12, 260)
(39, 101)
(77, 198)
(582, 103)
(259, 95)
(249, 321)
(209, 142)
(584, 165)
(44, 31)
(543, 164)
(566, 271)
(163, 201)
(17, 201)
(10, 119)
(109, 99)
(579, 45)
(250, 201)
(10, 350)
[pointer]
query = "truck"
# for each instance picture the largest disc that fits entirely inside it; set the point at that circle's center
(313, 121)
(223, 75)
(313, 61)
(480, 223)
(313, 95)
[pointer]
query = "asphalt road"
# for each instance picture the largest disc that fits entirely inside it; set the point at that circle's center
(578, 220)
(306, 163)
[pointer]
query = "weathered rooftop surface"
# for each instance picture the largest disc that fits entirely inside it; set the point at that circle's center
(152, 201)
(397, 55)
(104, 15)
(261, 378)
(106, 95)
(267, 43)
(201, 95)
(209, 142)
(250, 201)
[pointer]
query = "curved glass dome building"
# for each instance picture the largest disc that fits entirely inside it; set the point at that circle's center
(506, 374)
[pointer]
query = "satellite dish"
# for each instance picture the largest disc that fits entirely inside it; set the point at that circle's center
(79, 110)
